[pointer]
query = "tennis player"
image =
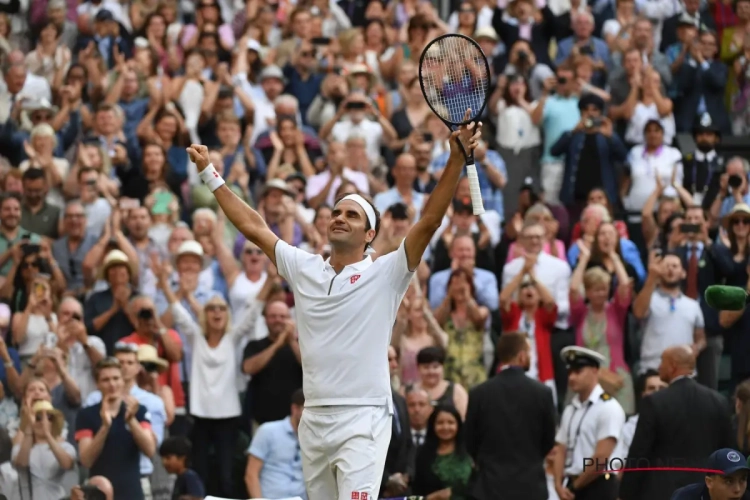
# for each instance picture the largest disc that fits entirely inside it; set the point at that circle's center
(345, 307)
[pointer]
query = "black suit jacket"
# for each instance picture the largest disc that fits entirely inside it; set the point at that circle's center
(510, 428)
(694, 83)
(541, 33)
(669, 28)
(400, 448)
(679, 426)
(706, 277)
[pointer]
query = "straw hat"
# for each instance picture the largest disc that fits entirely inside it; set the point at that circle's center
(115, 258)
(362, 69)
(739, 210)
(57, 418)
(148, 354)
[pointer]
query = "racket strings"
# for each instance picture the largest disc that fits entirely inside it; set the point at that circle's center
(455, 78)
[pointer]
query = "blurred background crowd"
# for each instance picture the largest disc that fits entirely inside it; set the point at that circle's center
(149, 350)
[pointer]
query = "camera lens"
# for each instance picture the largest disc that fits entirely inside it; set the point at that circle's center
(735, 181)
(146, 314)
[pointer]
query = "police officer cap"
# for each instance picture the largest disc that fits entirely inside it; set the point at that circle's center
(703, 123)
(727, 461)
(579, 357)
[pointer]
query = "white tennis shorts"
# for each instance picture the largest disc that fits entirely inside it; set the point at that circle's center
(343, 451)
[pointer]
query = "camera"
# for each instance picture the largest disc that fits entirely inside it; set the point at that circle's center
(91, 492)
(561, 80)
(522, 56)
(146, 314)
(690, 228)
(735, 181)
(356, 105)
(595, 122)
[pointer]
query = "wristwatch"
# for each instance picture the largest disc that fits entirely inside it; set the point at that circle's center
(162, 331)
(9, 364)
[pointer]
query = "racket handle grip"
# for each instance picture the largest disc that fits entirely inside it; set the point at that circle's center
(476, 193)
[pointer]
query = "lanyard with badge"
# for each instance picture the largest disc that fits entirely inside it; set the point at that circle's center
(572, 442)
(698, 197)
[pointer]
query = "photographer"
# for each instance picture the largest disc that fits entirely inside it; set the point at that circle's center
(522, 61)
(733, 188)
(592, 139)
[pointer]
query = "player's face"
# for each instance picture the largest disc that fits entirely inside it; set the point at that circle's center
(446, 426)
(347, 226)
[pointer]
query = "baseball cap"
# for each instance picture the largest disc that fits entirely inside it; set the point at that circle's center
(728, 461)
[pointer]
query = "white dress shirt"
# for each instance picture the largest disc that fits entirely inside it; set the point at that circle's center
(554, 274)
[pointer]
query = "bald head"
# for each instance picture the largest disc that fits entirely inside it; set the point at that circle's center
(405, 171)
(16, 57)
(676, 361)
(104, 486)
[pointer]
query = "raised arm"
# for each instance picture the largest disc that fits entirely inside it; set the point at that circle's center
(245, 219)
(432, 215)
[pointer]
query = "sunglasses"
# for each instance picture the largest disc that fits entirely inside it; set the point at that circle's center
(216, 307)
(744, 222)
(150, 367)
(27, 265)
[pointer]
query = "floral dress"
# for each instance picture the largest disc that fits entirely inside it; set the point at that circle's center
(464, 361)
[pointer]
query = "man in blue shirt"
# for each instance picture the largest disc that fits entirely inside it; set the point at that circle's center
(727, 479)
(274, 464)
(128, 357)
(112, 434)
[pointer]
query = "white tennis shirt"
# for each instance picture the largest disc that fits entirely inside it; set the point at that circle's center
(345, 322)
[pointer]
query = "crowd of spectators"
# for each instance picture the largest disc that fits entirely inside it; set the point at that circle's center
(149, 350)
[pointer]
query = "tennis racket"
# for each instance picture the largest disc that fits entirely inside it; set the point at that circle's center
(455, 78)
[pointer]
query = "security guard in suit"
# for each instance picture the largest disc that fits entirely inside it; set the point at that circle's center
(728, 481)
(703, 167)
(590, 427)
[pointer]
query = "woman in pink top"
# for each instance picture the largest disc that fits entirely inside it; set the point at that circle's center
(414, 330)
(599, 324)
(540, 214)
(207, 12)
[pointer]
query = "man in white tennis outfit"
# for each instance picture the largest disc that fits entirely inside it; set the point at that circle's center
(346, 307)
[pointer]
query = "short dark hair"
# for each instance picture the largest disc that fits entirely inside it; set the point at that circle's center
(510, 344)
(10, 196)
(33, 174)
(640, 385)
(430, 355)
(298, 398)
(103, 364)
(179, 446)
(85, 170)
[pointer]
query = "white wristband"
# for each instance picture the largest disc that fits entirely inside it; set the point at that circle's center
(211, 178)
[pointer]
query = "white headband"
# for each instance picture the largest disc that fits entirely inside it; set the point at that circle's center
(365, 206)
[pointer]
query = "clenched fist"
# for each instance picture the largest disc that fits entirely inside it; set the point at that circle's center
(199, 156)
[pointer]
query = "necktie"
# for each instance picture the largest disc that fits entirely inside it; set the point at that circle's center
(692, 273)
(396, 420)
(418, 438)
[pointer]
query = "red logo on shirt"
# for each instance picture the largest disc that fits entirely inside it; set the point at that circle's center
(355, 495)
(364, 496)
(353, 280)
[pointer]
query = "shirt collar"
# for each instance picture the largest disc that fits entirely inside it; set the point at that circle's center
(655, 154)
(701, 156)
(595, 394)
(288, 426)
(357, 266)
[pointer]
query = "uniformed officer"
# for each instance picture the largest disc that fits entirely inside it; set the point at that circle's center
(590, 427)
(703, 167)
(729, 480)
